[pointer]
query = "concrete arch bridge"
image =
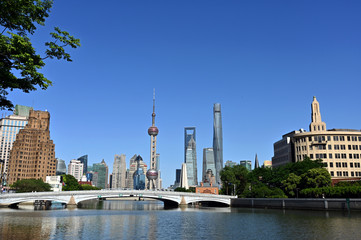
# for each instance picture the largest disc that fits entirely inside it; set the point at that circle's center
(170, 199)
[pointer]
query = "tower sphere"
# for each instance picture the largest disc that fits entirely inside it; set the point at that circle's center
(153, 131)
(152, 174)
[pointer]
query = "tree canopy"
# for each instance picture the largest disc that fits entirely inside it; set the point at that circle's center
(19, 62)
(234, 179)
(31, 185)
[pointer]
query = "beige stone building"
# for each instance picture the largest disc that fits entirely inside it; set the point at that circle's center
(340, 149)
(33, 152)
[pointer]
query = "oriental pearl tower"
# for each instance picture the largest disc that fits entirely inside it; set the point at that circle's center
(152, 173)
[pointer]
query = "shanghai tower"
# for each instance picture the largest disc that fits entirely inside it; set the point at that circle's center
(217, 141)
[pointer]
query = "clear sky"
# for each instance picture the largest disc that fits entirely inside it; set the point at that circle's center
(262, 60)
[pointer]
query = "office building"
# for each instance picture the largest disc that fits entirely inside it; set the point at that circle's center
(230, 163)
(33, 152)
(184, 177)
(217, 141)
(191, 162)
(100, 175)
(247, 164)
(136, 162)
(75, 168)
(177, 178)
(189, 133)
(339, 149)
(267, 163)
(119, 172)
(60, 167)
(9, 128)
(208, 162)
(84, 160)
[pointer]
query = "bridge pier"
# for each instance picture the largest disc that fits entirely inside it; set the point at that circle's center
(71, 203)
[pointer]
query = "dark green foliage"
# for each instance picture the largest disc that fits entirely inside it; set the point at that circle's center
(31, 185)
(179, 189)
(233, 179)
(19, 62)
(348, 184)
(88, 187)
(71, 184)
(261, 190)
(332, 192)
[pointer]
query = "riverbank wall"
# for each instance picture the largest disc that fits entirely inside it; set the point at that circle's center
(344, 204)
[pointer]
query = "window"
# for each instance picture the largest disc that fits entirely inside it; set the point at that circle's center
(348, 138)
(335, 138)
(350, 156)
(338, 164)
(311, 156)
(351, 165)
(331, 164)
(343, 147)
(337, 147)
(330, 155)
(344, 165)
(349, 147)
(342, 138)
(332, 174)
(328, 138)
(352, 174)
(329, 147)
(343, 155)
(337, 155)
(345, 174)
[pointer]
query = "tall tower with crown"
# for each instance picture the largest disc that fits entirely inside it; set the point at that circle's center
(152, 173)
(316, 123)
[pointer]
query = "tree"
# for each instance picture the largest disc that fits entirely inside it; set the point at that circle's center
(70, 183)
(316, 178)
(233, 178)
(31, 185)
(19, 62)
(290, 184)
(88, 187)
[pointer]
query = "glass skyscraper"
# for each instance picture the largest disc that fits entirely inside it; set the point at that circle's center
(189, 132)
(208, 162)
(217, 140)
(101, 171)
(191, 162)
(84, 160)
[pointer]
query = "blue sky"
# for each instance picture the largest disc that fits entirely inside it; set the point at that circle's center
(262, 60)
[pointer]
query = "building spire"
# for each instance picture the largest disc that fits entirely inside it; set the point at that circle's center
(256, 163)
(316, 122)
(153, 114)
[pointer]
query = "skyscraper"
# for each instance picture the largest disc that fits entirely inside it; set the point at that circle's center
(135, 163)
(217, 140)
(60, 167)
(208, 162)
(247, 164)
(84, 160)
(191, 163)
(75, 168)
(153, 172)
(100, 175)
(119, 172)
(189, 132)
(33, 152)
(9, 128)
(184, 177)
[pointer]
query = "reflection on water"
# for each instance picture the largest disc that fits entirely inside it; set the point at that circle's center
(148, 220)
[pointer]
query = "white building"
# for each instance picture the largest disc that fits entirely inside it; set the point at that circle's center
(55, 183)
(75, 168)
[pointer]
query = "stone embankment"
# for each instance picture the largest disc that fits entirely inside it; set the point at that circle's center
(347, 204)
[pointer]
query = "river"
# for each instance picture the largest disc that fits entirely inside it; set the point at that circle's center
(122, 219)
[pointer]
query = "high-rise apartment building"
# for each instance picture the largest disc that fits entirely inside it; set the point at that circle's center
(75, 168)
(33, 152)
(339, 149)
(208, 162)
(217, 140)
(100, 175)
(9, 128)
(119, 172)
(191, 162)
(60, 167)
(84, 160)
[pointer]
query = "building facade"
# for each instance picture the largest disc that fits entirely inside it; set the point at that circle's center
(247, 164)
(191, 163)
(9, 128)
(75, 168)
(136, 162)
(208, 162)
(229, 163)
(84, 160)
(189, 133)
(339, 149)
(60, 167)
(33, 152)
(119, 172)
(217, 141)
(100, 175)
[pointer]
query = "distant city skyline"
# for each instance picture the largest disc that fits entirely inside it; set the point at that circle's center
(262, 61)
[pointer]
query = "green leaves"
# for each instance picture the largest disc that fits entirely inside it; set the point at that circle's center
(19, 62)
(31, 185)
(57, 51)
